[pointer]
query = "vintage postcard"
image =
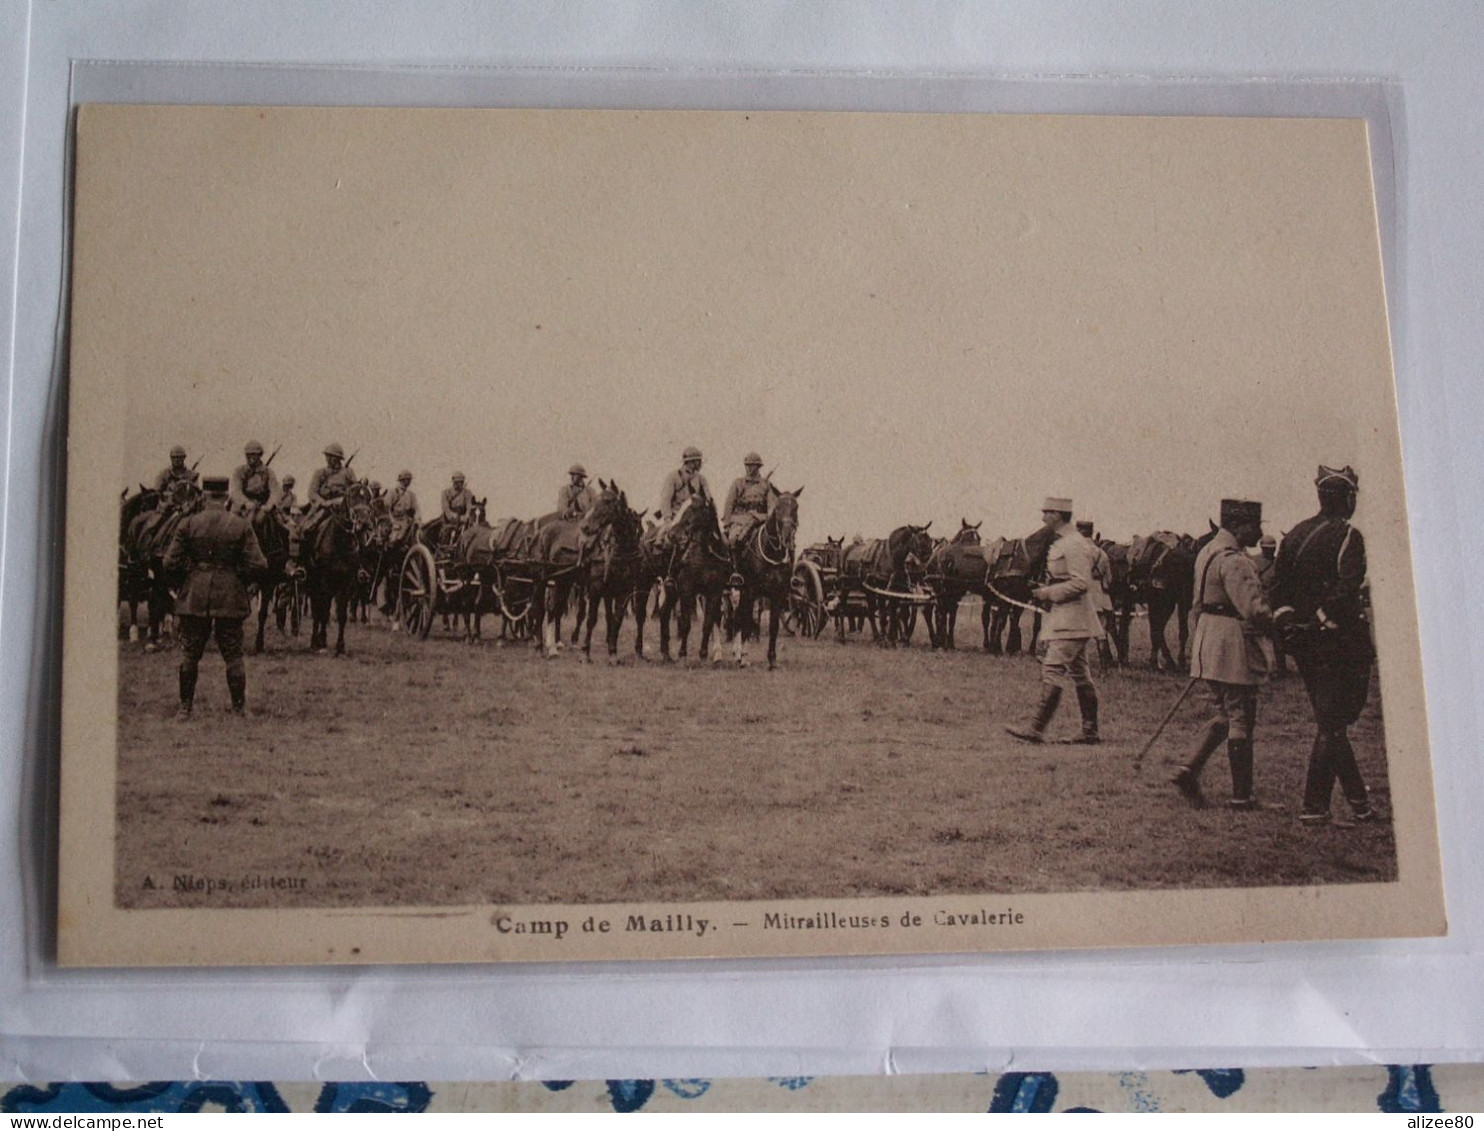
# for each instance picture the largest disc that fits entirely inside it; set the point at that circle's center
(607, 535)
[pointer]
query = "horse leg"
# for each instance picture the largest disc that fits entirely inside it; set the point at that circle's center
(641, 610)
(342, 607)
(1159, 618)
(265, 595)
(1182, 611)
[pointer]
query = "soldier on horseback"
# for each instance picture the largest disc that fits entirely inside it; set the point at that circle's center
(327, 486)
(576, 498)
(680, 487)
(177, 472)
(253, 484)
(749, 501)
(402, 506)
(456, 501)
(287, 501)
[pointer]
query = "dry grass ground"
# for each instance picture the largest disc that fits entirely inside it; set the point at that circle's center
(436, 773)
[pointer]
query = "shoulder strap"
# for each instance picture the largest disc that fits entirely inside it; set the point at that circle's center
(1200, 590)
(1298, 554)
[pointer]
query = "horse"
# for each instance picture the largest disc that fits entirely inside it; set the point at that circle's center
(558, 562)
(765, 565)
(617, 572)
(272, 533)
(1013, 567)
(694, 565)
(332, 565)
(955, 568)
(150, 527)
(1162, 576)
(885, 571)
(134, 581)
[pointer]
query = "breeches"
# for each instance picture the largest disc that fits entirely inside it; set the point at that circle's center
(1338, 686)
(1066, 665)
(1232, 704)
(195, 632)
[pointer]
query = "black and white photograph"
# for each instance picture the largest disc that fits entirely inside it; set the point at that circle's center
(558, 534)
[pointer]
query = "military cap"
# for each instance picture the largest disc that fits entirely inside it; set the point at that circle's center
(1054, 503)
(577, 469)
(1084, 528)
(753, 460)
(1337, 477)
(401, 475)
(253, 448)
(458, 476)
(335, 450)
(1234, 512)
(214, 484)
(177, 452)
(690, 454)
(288, 481)
(1268, 541)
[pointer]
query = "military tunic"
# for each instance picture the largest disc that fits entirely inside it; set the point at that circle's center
(218, 552)
(287, 500)
(169, 477)
(573, 502)
(327, 484)
(456, 503)
(252, 486)
(1229, 652)
(402, 504)
(749, 499)
(1073, 619)
(680, 487)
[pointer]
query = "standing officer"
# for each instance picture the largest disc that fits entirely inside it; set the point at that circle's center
(1069, 627)
(1320, 574)
(176, 472)
(1102, 588)
(1266, 559)
(402, 506)
(253, 484)
(1230, 654)
(749, 500)
(219, 553)
(680, 487)
(576, 498)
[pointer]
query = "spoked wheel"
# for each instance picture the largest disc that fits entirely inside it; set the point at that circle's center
(806, 615)
(417, 592)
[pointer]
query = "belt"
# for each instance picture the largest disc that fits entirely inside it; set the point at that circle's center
(1220, 611)
(212, 567)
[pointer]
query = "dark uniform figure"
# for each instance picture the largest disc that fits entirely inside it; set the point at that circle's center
(1318, 590)
(218, 553)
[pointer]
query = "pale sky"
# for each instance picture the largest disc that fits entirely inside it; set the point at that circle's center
(914, 317)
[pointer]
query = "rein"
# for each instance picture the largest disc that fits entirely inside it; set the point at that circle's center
(784, 548)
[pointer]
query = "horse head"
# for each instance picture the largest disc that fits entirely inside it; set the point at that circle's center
(783, 523)
(968, 535)
(604, 513)
(910, 545)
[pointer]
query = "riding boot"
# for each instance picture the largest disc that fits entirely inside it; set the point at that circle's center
(187, 693)
(1050, 697)
(1187, 779)
(1239, 753)
(237, 686)
(1087, 703)
(1319, 782)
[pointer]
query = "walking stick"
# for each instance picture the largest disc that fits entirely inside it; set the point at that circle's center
(1164, 722)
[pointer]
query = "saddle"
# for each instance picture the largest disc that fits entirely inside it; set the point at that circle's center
(871, 558)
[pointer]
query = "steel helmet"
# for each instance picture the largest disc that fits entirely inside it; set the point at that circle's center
(577, 469)
(253, 448)
(753, 460)
(335, 450)
(690, 454)
(401, 475)
(458, 476)
(288, 480)
(177, 452)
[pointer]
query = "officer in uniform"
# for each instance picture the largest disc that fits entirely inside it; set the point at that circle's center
(749, 501)
(176, 472)
(680, 487)
(1231, 654)
(1070, 626)
(402, 506)
(287, 500)
(1318, 588)
(218, 553)
(1102, 577)
(253, 484)
(576, 498)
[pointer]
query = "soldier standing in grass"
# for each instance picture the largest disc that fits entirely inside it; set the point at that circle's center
(1070, 627)
(1231, 654)
(218, 553)
(1318, 588)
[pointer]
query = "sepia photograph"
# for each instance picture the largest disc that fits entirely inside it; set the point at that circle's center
(566, 534)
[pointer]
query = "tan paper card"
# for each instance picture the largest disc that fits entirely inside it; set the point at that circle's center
(941, 336)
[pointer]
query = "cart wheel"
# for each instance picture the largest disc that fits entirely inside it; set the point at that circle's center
(417, 592)
(806, 600)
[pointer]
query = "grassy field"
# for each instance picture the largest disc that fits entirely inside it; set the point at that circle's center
(437, 773)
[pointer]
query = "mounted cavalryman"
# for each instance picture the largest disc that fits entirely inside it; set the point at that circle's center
(680, 487)
(456, 500)
(1231, 654)
(253, 484)
(576, 498)
(1070, 626)
(219, 555)
(749, 501)
(1319, 588)
(327, 485)
(177, 472)
(287, 500)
